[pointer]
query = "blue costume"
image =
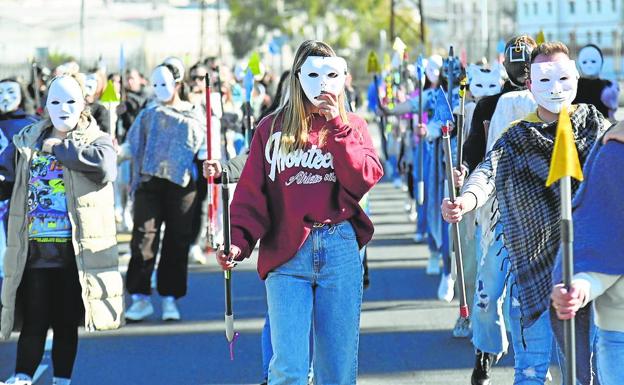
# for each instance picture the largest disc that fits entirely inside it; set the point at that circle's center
(10, 124)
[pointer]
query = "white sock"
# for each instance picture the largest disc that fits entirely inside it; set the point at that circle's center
(61, 381)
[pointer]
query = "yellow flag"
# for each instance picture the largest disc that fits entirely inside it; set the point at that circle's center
(109, 94)
(540, 37)
(565, 160)
(372, 66)
(254, 64)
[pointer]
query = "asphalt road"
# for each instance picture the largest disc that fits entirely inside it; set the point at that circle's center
(405, 330)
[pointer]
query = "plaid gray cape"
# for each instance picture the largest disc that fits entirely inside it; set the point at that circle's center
(530, 211)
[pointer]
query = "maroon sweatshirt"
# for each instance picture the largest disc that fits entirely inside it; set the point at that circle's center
(280, 196)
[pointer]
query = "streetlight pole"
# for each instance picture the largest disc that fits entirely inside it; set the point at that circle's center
(82, 27)
(219, 29)
(202, 30)
(391, 20)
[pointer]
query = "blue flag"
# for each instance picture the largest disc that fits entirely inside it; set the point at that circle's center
(443, 112)
(122, 58)
(420, 69)
(248, 82)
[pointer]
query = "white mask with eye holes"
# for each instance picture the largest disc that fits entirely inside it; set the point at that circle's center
(432, 69)
(590, 61)
(320, 74)
(91, 84)
(554, 84)
(484, 81)
(65, 103)
(10, 97)
(163, 83)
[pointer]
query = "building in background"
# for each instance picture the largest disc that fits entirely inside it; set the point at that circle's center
(149, 31)
(576, 23)
(474, 25)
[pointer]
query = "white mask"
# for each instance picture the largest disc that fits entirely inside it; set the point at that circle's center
(322, 74)
(65, 103)
(91, 84)
(10, 97)
(590, 61)
(432, 70)
(484, 81)
(163, 83)
(554, 84)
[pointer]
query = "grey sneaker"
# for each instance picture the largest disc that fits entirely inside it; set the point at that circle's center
(170, 310)
(139, 310)
(462, 328)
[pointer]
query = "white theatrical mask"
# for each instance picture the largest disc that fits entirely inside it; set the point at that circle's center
(432, 69)
(163, 83)
(65, 103)
(91, 84)
(554, 84)
(484, 81)
(10, 96)
(590, 61)
(320, 74)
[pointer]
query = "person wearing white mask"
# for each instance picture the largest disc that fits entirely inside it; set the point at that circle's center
(602, 93)
(310, 163)
(62, 246)
(163, 142)
(515, 170)
(433, 79)
(98, 111)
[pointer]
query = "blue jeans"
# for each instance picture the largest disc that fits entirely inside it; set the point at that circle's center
(585, 333)
(610, 352)
(4, 207)
(267, 349)
(531, 363)
(320, 288)
(488, 324)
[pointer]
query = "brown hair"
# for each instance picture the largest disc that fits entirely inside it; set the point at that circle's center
(549, 48)
(295, 122)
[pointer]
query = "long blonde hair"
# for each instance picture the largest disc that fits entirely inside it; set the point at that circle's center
(294, 118)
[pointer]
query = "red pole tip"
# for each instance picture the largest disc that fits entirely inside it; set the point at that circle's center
(464, 312)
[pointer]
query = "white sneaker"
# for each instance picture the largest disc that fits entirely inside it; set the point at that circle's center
(139, 310)
(413, 214)
(446, 289)
(462, 328)
(433, 265)
(170, 310)
(18, 379)
(196, 254)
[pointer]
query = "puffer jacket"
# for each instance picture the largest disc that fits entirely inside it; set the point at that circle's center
(90, 209)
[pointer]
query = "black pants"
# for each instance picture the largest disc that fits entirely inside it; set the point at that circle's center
(157, 201)
(50, 298)
(409, 173)
(200, 211)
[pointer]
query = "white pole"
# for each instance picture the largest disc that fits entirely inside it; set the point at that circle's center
(567, 239)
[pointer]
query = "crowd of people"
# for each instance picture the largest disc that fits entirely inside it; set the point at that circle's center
(76, 168)
(509, 219)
